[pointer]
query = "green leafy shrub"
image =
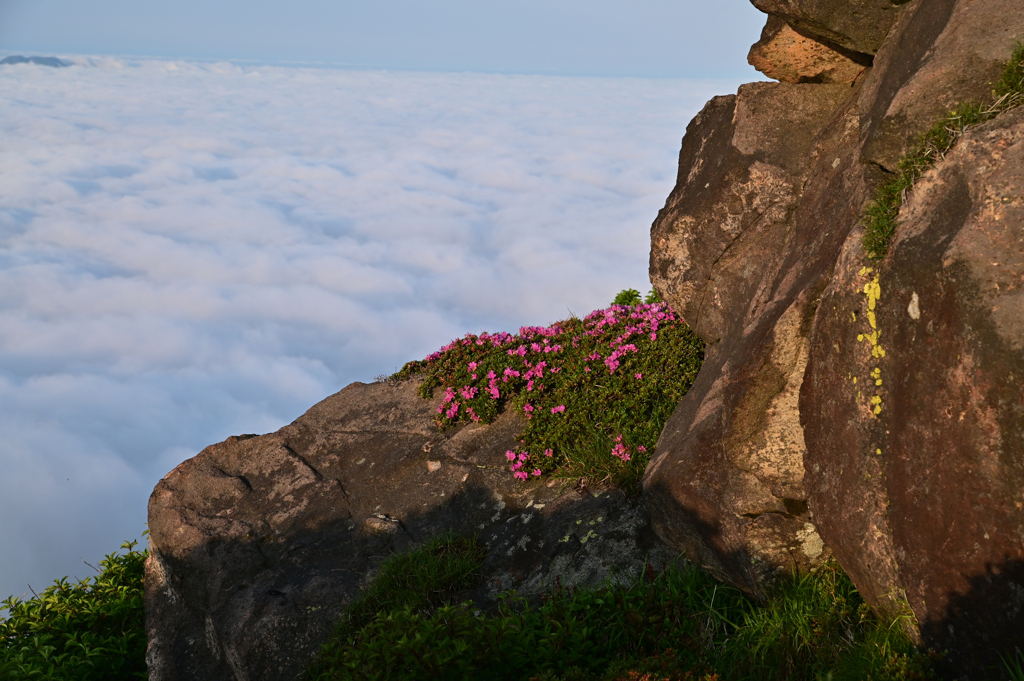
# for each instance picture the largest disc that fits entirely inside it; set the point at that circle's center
(91, 630)
(679, 624)
(880, 217)
(596, 392)
(577, 631)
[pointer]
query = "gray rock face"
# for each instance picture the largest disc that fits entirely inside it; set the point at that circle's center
(259, 543)
(778, 449)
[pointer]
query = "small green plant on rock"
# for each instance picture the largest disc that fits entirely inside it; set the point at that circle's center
(880, 217)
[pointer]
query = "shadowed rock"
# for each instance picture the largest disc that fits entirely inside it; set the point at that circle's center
(259, 543)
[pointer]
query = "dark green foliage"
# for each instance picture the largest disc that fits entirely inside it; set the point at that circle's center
(570, 632)
(422, 580)
(1014, 664)
(880, 221)
(596, 392)
(679, 624)
(91, 630)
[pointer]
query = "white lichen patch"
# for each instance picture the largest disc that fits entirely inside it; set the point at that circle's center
(810, 541)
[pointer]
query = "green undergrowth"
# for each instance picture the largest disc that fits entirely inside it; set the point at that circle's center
(880, 217)
(91, 630)
(677, 623)
(595, 392)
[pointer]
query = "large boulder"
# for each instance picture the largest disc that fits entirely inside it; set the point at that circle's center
(257, 544)
(913, 409)
(759, 248)
(726, 483)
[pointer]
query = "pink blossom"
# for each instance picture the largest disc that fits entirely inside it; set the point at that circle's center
(641, 448)
(620, 451)
(529, 385)
(468, 392)
(547, 453)
(528, 407)
(586, 369)
(472, 366)
(536, 471)
(523, 456)
(521, 475)
(560, 408)
(510, 455)
(639, 376)
(452, 410)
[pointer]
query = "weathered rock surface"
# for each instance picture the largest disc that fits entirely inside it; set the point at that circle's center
(742, 167)
(726, 485)
(941, 53)
(787, 56)
(855, 25)
(937, 476)
(258, 543)
(759, 249)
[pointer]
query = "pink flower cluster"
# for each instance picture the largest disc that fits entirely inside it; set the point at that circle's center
(519, 460)
(620, 450)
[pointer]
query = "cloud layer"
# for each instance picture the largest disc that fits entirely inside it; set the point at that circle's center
(190, 251)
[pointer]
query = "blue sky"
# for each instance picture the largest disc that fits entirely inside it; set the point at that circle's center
(206, 238)
(645, 38)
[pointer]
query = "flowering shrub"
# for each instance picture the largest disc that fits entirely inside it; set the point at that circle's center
(595, 392)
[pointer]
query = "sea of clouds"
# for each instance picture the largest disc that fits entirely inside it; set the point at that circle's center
(190, 251)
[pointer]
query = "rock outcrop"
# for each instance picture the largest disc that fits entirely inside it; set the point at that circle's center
(937, 474)
(257, 544)
(785, 55)
(902, 455)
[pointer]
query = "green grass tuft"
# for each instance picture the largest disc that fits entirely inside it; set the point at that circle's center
(93, 630)
(880, 217)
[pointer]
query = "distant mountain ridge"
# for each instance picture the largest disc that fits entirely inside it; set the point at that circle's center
(42, 61)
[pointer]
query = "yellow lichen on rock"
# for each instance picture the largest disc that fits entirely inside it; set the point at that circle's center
(873, 291)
